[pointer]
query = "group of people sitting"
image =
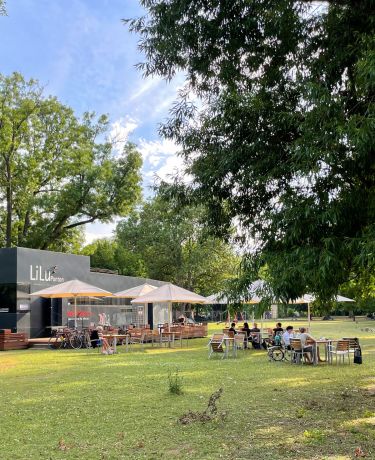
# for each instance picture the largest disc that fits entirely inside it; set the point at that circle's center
(276, 336)
(252, 334)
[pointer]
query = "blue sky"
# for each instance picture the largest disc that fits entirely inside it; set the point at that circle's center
(81, 52)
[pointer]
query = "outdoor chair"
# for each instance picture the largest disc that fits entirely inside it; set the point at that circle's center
(137, 338)
(297, 352)
(240, 341)
(353, 344)
(216, 345)
(340, 351)
(256, 339)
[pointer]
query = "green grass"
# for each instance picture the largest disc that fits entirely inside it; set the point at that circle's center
(69, 404)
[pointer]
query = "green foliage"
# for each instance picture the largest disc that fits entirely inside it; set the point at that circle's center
(171, 245)
(55, 176)
(106, 253)
(3, 11)
(283, 139)
(175, 383)
(362, 289)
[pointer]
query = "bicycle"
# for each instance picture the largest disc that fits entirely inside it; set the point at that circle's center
(58, 339)
(65, 338)
(75, 339)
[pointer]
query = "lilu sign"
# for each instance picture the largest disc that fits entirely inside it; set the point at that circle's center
(38, 273)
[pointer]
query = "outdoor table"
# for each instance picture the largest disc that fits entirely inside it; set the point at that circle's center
(115, 337)
(327, 343)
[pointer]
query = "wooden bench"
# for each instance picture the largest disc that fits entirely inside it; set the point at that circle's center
(12, 341)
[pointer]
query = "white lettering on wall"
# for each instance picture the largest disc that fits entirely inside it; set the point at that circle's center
(38, 273)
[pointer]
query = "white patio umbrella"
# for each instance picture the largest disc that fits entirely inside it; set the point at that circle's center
(170, 293)
(308, 298)
(73, 288)
(137, 291)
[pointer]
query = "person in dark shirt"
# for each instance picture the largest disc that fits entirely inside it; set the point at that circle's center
(277, 329)
(255, 335)
(246, 330)
(233, 328)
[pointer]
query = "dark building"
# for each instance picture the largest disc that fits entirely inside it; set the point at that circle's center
(24, 271)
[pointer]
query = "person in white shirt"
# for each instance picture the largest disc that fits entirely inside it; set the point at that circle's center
(288, 334)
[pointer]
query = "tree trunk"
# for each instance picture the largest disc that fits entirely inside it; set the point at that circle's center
(8, 237)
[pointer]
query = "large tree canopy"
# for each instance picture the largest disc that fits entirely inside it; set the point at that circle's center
(57, 172)
(282, 139)
(164, 243)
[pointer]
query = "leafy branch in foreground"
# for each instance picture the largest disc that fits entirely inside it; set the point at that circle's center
(282, 142)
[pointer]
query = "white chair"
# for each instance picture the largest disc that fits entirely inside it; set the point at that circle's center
(340, 351)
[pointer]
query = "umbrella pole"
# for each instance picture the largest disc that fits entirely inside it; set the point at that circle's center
(169, 316)
(309, 315)
(75, 312)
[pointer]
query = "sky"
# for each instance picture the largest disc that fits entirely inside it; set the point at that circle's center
(82, 53)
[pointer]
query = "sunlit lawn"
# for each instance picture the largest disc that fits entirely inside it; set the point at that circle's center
(69, 404)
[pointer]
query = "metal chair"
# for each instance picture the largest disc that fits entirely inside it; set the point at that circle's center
(297, 352)
(353, 344)
(340, 351)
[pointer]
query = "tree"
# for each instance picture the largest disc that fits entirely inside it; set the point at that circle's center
(282, 141)
(55, 173)
(107, 253)
(3, 11)
(171, 245)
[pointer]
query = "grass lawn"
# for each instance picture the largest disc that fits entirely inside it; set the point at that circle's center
(69, 404)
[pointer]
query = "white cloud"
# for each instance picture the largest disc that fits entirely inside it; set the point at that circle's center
(158, 148)
(161, 161)
(120, 131)
(144, 87)
(173, 165)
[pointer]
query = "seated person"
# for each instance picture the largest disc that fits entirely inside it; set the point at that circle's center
(232, 328)
(255, 335)
(94, 338)
(181, 320)
(277, 329)
(246, 330)
(288, 334)
(106, 349)
(304, 337)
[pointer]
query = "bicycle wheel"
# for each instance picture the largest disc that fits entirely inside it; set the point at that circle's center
(277, 354)
(75, 342)
(55, 342)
